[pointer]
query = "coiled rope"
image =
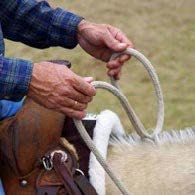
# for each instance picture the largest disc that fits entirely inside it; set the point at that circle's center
(139, 128)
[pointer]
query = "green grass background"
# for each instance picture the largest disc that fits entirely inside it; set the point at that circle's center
(163, 30)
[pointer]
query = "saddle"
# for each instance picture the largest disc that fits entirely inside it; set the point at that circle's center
(36, 159)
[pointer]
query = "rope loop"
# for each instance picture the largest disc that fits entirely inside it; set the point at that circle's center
(139, 128)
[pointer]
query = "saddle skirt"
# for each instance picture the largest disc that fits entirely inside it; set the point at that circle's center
(35, 159)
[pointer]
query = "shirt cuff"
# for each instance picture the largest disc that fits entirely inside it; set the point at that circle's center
(63, 29)
(15, 75)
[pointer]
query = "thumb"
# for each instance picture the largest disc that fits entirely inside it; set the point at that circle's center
(88, 79)
(114, 44)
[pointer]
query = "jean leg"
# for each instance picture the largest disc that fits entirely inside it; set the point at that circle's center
(1, 189)
(9, 108)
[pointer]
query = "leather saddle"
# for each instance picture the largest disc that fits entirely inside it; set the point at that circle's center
(36, 159)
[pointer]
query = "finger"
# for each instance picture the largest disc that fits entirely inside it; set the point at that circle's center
(114, 64)
(76, 95)
(72, 113)
(124, 58)
(84, 87)
(56, 103)
(88, 79)
(114, 73)
(67, 102)
(116, 76)
(113, 43)
(118, 62)
(105, 54)
(121, 37)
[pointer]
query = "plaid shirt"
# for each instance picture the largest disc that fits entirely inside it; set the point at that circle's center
(35, 24)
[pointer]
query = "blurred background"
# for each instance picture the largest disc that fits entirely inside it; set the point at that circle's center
(163, 30)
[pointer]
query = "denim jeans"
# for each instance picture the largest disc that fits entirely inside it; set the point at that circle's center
(8, 109)
(1, 189)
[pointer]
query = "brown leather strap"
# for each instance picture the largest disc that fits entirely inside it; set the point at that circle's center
(49, 190)
(84, 185)
(70, 132)
(65, 174)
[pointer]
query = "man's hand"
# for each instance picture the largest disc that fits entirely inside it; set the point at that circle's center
(57, 87)
(101, 41)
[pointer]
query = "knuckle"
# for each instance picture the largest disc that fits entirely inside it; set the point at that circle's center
(50, 106)
(93, 91)
(80, 98)
(79, 115)
(88, 99)
(108, 26)
(64, 91)
(90, 91)
(69, 91)
(70, 79)
(67, 111)
(83, 106)
(70, 113)
(104, 25)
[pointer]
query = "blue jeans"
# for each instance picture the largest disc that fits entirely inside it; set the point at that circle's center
(1, 189)
(8, 109)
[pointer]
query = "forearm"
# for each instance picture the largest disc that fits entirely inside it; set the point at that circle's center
(37, 24)
(15, 75)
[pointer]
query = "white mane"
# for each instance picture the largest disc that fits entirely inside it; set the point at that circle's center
(165, 137)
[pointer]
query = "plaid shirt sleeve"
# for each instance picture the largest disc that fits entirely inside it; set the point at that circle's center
(37, 24)
(15, 77)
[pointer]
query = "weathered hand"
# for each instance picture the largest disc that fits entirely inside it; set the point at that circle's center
(57, 87)
(101, 41)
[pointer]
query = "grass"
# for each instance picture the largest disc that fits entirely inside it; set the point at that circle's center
(163, 30)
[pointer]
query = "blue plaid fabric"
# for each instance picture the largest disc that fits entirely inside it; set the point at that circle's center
(35, 24)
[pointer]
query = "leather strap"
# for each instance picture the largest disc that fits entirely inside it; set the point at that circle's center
(70, 132)
(49, 190)
(65, 174)
(84, 185)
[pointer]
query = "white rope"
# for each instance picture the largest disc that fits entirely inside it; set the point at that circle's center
(130, 112)
(89, 142)
(160, 103)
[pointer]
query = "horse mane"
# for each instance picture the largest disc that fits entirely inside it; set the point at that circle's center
(165, 137)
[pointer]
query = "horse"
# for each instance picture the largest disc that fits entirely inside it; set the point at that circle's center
(166, 166)
(145, 168)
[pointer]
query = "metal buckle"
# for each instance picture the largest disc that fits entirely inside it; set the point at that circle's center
(63, 153)
(79, 171)
(47, 163)
(48, 160)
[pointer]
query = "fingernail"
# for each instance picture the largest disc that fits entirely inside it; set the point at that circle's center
(88, 79)
(122, 44)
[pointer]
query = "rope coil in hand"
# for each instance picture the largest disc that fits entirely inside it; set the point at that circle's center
(139, 128)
